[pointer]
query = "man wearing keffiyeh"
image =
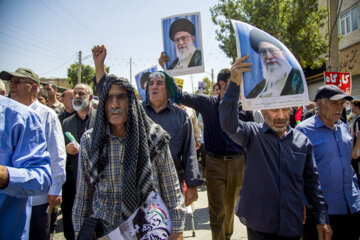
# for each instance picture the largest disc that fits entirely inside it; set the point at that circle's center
(123, 158)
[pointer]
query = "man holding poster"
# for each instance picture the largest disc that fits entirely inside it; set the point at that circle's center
(280, 168)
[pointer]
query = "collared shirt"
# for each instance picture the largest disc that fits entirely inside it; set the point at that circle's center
(333, 154)
(103, 200)
(278, 171)
(65, 115)
(23, 152)
(58, 107)
(216, 140)
(56, 147)
(182, 143)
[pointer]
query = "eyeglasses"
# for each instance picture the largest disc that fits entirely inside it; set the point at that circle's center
(182, 38)
(274, 52)
(19, 80)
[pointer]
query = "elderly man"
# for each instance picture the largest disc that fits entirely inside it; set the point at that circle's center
(333, 153)
(182, 32)
(24, 87)
(224, 158)
(280, 78)
(52, 102)
(24, 167)
(67, 97)
(124, 145)
(76, 124)
(279, 169)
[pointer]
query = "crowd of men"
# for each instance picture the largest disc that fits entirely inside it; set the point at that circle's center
(100, 163)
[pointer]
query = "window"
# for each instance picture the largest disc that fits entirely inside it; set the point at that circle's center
(349, 21)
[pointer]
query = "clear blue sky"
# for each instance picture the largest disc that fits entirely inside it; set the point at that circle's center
(46, 35)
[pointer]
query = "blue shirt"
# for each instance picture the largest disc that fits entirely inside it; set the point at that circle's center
(277, 173)
(332, 150)
(216, 141)
(56, 148)
(23, 152)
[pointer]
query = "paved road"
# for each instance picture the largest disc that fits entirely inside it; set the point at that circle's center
(201, 222)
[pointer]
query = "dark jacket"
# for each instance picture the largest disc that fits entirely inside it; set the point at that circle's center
(196, 60)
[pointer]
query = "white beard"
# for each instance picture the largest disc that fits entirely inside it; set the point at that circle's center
(84, 103)
(276, 72)
(186, 52)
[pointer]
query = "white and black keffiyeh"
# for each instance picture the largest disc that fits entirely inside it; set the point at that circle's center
(144, 140)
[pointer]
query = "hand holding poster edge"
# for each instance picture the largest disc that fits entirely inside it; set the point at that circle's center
(283, 87)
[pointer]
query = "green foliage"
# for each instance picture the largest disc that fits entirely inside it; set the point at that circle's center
(296, 23)
(87, 72)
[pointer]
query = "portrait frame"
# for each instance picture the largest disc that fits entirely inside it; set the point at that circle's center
(169, 45)
(138, 76)
(253, 95)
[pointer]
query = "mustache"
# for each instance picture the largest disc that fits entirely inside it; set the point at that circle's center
(116, 111)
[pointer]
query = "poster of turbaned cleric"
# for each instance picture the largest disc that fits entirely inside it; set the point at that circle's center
(141, 80)
(182, 41)
(276, 79)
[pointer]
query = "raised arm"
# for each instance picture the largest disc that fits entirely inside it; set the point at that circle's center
(99, 55)
(163, 59)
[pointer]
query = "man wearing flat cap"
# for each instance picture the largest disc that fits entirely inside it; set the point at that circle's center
(24, 87)
(182, 32)
(332, 145)
(279, 77)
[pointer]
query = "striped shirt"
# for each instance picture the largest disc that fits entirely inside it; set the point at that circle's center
(103, 200)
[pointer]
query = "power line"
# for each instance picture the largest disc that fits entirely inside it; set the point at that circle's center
(60, 65)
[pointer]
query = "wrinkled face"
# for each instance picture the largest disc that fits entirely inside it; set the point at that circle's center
(21, 88)
(277, 119)
(330, 110)
(117, 105)
(272, 57)
(157, 91)
(81, 98)
(50, 90)
(183, 40)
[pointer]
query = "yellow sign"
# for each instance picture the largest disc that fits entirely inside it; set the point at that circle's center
(179, 82)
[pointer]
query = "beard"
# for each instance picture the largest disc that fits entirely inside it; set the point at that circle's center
(276, 71)
(80, 104)
(185, 52)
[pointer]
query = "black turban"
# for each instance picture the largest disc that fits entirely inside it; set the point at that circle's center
(181, 25)
(257, 36)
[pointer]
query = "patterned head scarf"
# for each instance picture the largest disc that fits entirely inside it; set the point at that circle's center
(144, 140)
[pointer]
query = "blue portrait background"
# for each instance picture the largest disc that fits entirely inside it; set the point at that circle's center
(252, 78)
(137, 79)
(170, 46)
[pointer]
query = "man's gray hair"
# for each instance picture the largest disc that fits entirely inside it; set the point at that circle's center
(89, 89)
(157, 74)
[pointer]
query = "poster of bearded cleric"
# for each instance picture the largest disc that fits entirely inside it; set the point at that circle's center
(141, 80)
(183, 44)
(276, 79)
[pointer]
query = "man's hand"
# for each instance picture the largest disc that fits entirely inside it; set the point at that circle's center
(198, 145)
(71, 149)
(176, 236)
(238, 68)
(99, 55)
(324, 231)
(54, 201)
(4, 177)
(163, 59)
(191, 196)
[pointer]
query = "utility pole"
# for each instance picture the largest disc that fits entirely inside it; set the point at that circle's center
(192, 83)
(79, 71)
(333, 41)
(212, 76)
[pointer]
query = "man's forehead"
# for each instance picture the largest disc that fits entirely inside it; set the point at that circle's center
(157, 79)
(79, 88)
(181, 33)
(263, 45)
(116, 88)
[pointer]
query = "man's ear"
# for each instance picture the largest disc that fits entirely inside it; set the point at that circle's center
(91, 97)
(193, 38)
(35, 86)
(283, 53)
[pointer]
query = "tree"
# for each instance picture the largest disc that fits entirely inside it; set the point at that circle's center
(87, 72)
(296, 23)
